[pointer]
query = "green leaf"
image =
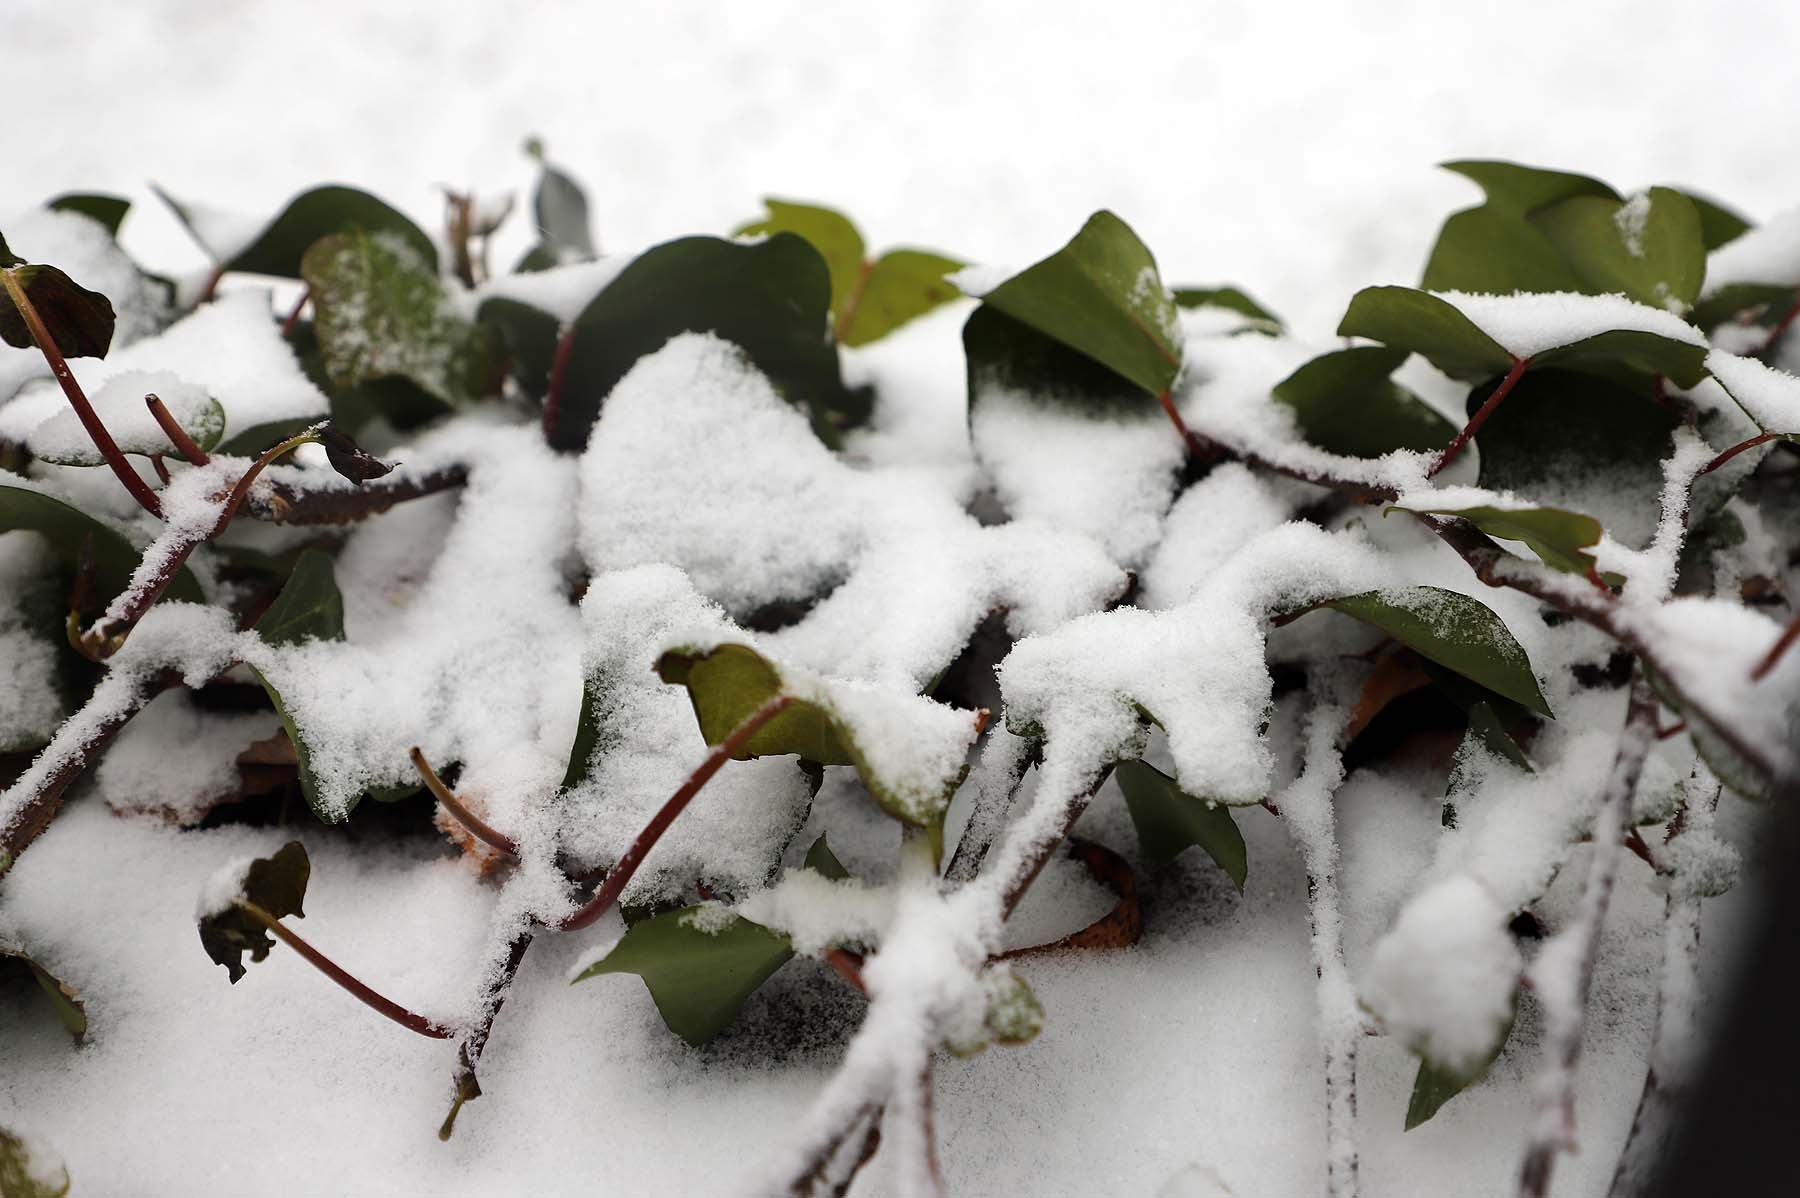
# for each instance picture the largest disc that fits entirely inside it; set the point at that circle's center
(1576, 440)
(561, 210)
(820, 859)
(1719, 225)
(1490, 715)
(828, 231)
(772, 299)
(902, 286)
(1513, 187)
(109, 210)
(701, 964)
(1560, 538)
(1434, 1085)
(1492, 248)
(1406, 319)
(728, 683)
(1344, 402)
(1761, 304)
(277, 884)
(1457, 632)
(382, 312)
(78, 320)
(309, 607)
(71, 1012)
(1620, 352)
(281, 244)
(24, 1176)
(1232, 298)
(1014, 1015)
(1649, 249)
(1169, 821)
(1006, 354)
(1101, 295)
(66, 529)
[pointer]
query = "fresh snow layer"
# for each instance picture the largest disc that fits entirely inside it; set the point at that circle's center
(1767, 254)
(120, 405)
(1527, 325)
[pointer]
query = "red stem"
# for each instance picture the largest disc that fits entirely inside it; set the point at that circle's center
(559, 369)
(90, 420)
(481, 830)
(1740, 447)
(162, 470)
(1781, 326)
(848, 966)
(1480, 417)
(209, 288)
(409, 1020)
(293, 316)
(621, 873)
(1194, 444)
(177, 435)
(1781, 646)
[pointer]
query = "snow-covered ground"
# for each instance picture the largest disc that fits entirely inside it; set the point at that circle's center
(1288, 149)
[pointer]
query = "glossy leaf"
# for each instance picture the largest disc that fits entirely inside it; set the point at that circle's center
(1003, 353)
(23, 1175)
(1232, 298)
(1649, 249)
(701, 965)
(1102, 296)
(309, 607)
(109, 210)
(67, 529)
(79, 321)
(70, 1010)
(772, 299)
(728, 683)
(828, 231)
(1457, 632)
(277, 249)
(1344, 402)
(381, 312)
(1406, 319)
(1170, 821)
(277, 884)
(1561, 539)
(1493, 248)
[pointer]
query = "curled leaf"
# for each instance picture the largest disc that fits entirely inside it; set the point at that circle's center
(275, 885)
(79, 321)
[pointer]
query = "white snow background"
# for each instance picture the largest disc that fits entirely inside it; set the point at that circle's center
(1288, 148)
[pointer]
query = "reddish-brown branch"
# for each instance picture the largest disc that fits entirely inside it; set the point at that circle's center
(1487, 409)
(286, 503)
(1782, 644)
(293, 316)
(178, 436)
(409, 1020)
(210, 288)
(161, 467)
(1740, 447)
(559, 371)
(468, 1055)
(481, 830)
(1781, 326)
(621, 874)
(84, 411)
(848, 966)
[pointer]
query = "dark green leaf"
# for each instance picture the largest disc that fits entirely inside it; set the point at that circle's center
(1719, 225)
(1492, 248)
(1232, 298)
(309, 607)
(22, 1176)
(1406, 319)
(727, 684)
(109, 210)
(701, 964)
(1433, 1085)
(1490, 715)
(820, 859)
(902, 286)
(276, 884)
(1649, 249)
(1101, 295)
(1517, 188)
(309, 216)
(1003, 353)
(1761, 304)
(381, 312)
(1560, 538)
(828, 231)
(66, 529)
(1457, 632)
(1169, 821)
(71, 1012)
(1345, 402)
(772, 299)
(79, 321)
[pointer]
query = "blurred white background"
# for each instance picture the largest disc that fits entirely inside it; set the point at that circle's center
(1288, 147)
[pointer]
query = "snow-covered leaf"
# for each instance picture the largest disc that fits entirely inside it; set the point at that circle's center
(109, 210)
(120, 405)
(1169, 821)
(276, 247)
(67, 529)
(1457, 632)
(309, 607)
(1649, 248)
(383, 313)
(28, 1169)
(70, 1010)
(1434, 1085)
(1561, 539)
(276, 884)
(1233, 299)
(1345, 402)
(1100, 295)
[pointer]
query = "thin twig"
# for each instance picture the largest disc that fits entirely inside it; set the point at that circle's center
(407, 1019)
(621, 873)
(1487, 409)
(178, 436)
(466, 1085)
(1740, 447)
(84, 411)
(293, 316)
(481, 830)
(1782, 644)
(559, 371)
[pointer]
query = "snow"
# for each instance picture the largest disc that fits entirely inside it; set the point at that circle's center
(224, 889)
(978, 280)
(1630, 220)
(176, 762)
(120, 405)
(1767, 254)
(1527, 325)
(31, 701)
(1443, 979)
(1771, 397)
(561, 291)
